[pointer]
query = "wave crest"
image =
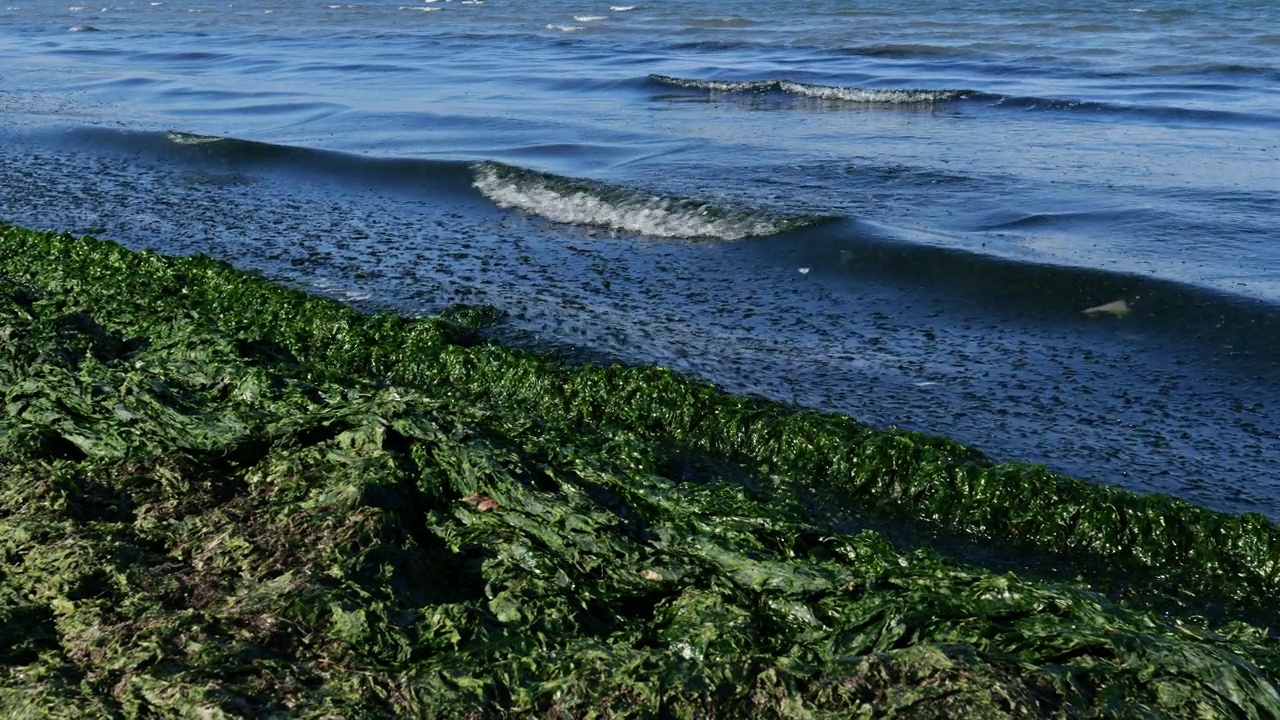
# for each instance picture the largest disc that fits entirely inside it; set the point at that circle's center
(868, 96)
(583, 202)
(177, 137)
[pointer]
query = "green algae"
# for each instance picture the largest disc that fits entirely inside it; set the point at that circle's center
(225, 497)
(1184, 550)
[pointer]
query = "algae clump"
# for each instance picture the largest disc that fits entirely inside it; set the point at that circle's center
(227, 498)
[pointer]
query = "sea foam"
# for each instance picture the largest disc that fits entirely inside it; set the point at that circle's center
(867, 96)
(591, 204)
(185, 138)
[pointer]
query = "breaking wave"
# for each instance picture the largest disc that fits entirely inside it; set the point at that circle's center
(185, 138)
(583, 202)
(908, 98)
(870, 96)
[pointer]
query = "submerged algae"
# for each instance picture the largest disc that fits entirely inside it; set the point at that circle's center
(223, 496)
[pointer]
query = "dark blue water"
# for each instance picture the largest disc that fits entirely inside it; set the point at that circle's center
(1046, 229)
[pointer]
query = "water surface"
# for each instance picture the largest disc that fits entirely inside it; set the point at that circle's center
(900, 211)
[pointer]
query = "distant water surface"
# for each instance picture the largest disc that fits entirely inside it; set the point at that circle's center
(900, 211)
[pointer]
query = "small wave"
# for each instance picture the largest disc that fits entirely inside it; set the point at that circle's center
(1215, 69)
(623, 8)
(184, 138)
(419, 8)
(589, 18)
(231, 157)
(567, 28)
(709, 45)
(868, 96)
(723, 86)
(910, 50)
(582, 202)
(723, 22)
(1153, 113)
(905, 98)
(82, 28)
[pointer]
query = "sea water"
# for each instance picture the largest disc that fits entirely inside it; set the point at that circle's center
(1047, 229)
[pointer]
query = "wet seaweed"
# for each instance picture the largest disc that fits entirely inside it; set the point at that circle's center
(228, 498)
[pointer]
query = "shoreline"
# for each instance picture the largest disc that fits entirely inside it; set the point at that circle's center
(442, 524)
(1127, 401)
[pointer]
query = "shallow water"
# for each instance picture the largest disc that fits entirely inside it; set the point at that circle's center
(895, 211)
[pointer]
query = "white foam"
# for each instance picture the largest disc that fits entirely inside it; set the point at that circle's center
(564, 201)
(724, 86)
(181, 138)
(729, 86)
(623, 8)
(419, 8)
(867, 95)
(589, 18)
(567, 28)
